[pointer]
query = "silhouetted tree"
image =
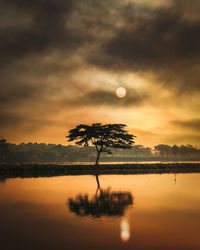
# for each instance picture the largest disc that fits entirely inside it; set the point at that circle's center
(103, 137)
(188, 150)
(3, 148)
(163, 149)
(175, 150)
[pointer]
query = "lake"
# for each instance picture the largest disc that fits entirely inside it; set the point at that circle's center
(101, 212)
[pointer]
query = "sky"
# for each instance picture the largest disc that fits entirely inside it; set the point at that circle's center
(62, 61)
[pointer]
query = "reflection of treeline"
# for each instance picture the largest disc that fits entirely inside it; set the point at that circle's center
(41, 152)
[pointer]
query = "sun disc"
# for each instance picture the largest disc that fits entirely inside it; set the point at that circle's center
(121, 92)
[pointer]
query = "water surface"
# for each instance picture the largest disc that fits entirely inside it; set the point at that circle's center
(108, 212)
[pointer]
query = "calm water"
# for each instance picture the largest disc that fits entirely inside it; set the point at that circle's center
(125, 212)
(123, 162)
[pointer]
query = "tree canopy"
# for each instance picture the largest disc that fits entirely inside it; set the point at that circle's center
(103, 137)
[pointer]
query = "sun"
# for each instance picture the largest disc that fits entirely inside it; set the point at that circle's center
(121, 92)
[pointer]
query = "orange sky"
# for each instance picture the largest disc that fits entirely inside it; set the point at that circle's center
(62, 61)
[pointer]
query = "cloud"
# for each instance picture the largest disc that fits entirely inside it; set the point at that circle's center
(161, 41)
(192, 124)
(108, 98)
(134, 36)
(51, 50)
(23, 123)
(188, 138)
(9, 119)
(47, 29)
(18, 94)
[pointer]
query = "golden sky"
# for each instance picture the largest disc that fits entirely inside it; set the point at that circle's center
(62, 61)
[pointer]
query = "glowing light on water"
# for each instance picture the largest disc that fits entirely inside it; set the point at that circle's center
(125, 229)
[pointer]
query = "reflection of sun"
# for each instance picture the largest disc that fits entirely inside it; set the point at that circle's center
(121, 92)
(125, 229)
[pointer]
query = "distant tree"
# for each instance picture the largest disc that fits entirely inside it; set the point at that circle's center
(103, 137)
(3, 142)
(3, 148)
(188, 150)
(183, 151)
(163, 149)
(138, 150)
(175, 150)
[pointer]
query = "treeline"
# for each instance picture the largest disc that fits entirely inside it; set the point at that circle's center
(51, 153)
(184, 151)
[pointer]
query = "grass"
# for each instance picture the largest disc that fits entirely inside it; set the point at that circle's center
(45, 170)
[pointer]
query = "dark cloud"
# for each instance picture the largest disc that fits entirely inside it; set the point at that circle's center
(108, 98)
(143, 39)
(15, 95)
(35, 44)
(188, 138)
(47, 29)
(45, 43)
(23, 122)
(9, 119)
(192, 125)
(155, 42)
(161, 41)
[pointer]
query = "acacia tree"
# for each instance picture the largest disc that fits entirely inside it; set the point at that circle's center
(103, 137)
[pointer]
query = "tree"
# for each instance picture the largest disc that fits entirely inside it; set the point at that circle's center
(3, 148)
(163, 149)
(175, 150)
(103, 137)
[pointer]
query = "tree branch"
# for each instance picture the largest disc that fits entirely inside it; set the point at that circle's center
(96, 148)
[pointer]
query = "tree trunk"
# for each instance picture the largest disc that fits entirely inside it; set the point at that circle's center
(97, 159)
(97, 179)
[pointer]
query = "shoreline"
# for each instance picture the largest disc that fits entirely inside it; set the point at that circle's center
(51, 170)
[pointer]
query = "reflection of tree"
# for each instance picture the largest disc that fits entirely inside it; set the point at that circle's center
(2, 179)
(103, 203)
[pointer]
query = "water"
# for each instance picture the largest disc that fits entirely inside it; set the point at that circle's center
(123, 162)
(125, 212)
